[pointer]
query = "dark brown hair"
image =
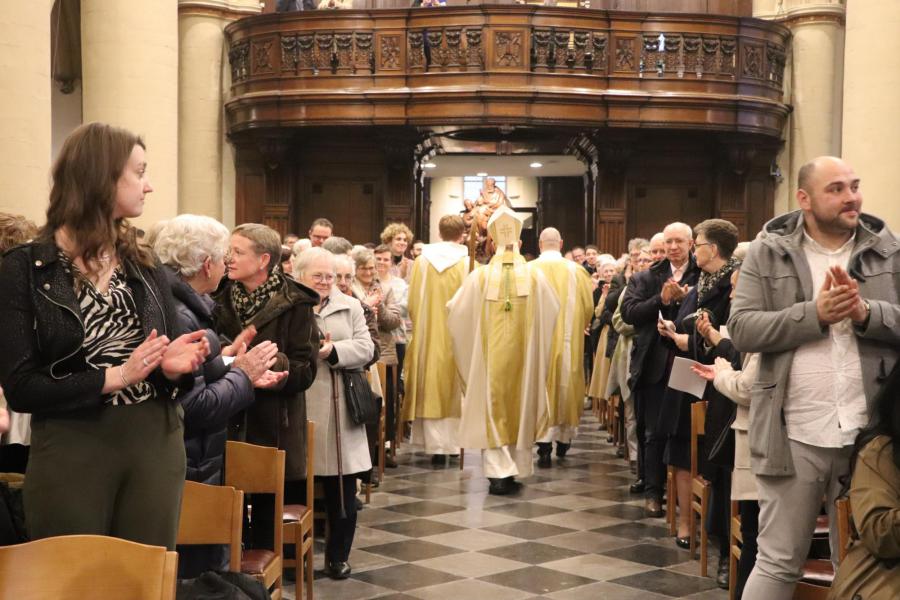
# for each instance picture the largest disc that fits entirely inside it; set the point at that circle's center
(83, 196)
(720, 232)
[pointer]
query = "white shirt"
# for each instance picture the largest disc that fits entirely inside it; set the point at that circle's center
(678, 273)
(825, 405)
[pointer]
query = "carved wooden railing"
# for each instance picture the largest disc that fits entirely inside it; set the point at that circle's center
(507, 64)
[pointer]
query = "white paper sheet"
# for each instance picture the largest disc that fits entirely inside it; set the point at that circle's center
(685, 380)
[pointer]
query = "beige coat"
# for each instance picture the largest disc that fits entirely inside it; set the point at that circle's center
(736, 386)
(343, 319)
(870, 570)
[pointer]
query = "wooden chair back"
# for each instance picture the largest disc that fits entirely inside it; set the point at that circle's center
(75, 567)
(844, 527)
(212, 514)
(698, 428)
(258, 470)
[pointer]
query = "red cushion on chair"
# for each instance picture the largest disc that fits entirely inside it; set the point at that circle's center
(818, 572)
(293, 512)
(254, 562)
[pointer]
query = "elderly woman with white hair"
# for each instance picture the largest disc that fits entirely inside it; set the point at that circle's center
(192, 248)
(341, 446)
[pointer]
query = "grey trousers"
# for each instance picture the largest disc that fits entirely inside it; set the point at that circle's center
(788, 507)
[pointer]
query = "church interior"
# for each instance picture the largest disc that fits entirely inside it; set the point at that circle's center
(605, 119)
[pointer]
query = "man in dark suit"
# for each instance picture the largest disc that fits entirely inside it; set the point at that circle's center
(656, 291)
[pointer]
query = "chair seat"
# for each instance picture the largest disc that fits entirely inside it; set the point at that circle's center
(293, 512)
(818, 572)
(254, 562)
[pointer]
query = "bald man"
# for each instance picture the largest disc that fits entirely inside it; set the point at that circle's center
(654, 292)
(565, 383)
(817, 298)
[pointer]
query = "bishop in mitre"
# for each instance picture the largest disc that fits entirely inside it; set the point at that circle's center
(565, 384)
(501, 325)
(433, 392)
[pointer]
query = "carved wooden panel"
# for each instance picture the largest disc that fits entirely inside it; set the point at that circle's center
(276, 217)
(509, 48)
(389, 52)
(611, 230)
(752, 61)
(261, 56)
(239, 59)
(625, 54)
(563, 48)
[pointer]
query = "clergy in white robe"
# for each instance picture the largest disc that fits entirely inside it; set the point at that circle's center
(501, 324)
(433, 391)
(565, 385)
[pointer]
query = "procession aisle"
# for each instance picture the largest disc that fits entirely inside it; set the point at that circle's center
(572, 532)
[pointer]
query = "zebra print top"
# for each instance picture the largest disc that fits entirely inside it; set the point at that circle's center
(112, 330)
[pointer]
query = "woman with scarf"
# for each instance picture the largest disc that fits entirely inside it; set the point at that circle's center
(257, 294)
(714, 243)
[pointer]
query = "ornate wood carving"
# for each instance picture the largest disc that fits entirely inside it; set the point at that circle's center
(625, 54)
(390, 53)
(262, 59)
(775, 59)
(752, 61)
(416, 49)
(474, 50)
(508, 49)
(239, 59)
(576, 49)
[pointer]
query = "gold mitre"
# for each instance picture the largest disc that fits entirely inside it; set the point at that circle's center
(505, 227)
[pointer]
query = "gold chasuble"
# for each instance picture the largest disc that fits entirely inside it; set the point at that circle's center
(501, 325)
(429, 371)
(565, 382)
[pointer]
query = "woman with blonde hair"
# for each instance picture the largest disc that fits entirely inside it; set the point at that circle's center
(91, 353)
(398, 237)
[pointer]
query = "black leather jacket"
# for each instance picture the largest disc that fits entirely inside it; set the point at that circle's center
(42, 365)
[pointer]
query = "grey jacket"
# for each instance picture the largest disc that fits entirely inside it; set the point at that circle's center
(774, 313)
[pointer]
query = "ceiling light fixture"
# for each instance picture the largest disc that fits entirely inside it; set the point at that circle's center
(482, 174)
(430, 165)
(536, 165)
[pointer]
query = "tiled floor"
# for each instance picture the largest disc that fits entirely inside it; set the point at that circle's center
(573, 532)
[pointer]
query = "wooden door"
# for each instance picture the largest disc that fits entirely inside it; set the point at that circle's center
(352, 205)
(652, 207)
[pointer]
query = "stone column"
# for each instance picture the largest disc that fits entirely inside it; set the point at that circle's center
(815, 87)
(871, 131)
(130, 79)
(25, 113)
(205, 181)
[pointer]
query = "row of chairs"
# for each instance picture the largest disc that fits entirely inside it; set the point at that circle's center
(88, 566)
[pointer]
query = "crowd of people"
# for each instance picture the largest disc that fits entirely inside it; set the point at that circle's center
(132, 357)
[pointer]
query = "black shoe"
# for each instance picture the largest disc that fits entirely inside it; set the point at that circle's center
(438, 460)
(683, 542)
(653, 509)
(390, 463)
(561, 449)
(338, 570)
(637, 487)
(610, 439)
(620, 452)
(544, 451)
(359, 504)
(503, 487)
(723, 575)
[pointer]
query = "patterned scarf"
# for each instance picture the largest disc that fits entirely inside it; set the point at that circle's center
(248, 304)
(708, 281)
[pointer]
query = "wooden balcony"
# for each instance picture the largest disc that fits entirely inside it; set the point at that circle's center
(507, 65)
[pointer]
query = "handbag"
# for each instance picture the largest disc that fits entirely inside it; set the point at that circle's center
(363, 405)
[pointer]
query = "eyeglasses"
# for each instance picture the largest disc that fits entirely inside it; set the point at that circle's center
(698, 244)
(322, 277)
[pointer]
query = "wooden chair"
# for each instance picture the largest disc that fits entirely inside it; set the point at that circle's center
(736, 541)
(298, 523)
(75, 567)
(844, 527)
(211, 514)
(260, 470)
(700, 488)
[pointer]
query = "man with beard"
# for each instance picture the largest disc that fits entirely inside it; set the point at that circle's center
(817, 298)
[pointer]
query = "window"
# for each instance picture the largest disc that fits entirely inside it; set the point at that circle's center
(472, 185)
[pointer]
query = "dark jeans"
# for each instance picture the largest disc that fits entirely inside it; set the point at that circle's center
(720, 508)
(340, 529)
(749, 510)
(648, 401)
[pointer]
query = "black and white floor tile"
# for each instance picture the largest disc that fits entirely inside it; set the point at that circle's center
(572, 532)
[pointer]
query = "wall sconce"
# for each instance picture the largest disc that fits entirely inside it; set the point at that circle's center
(775, 172)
